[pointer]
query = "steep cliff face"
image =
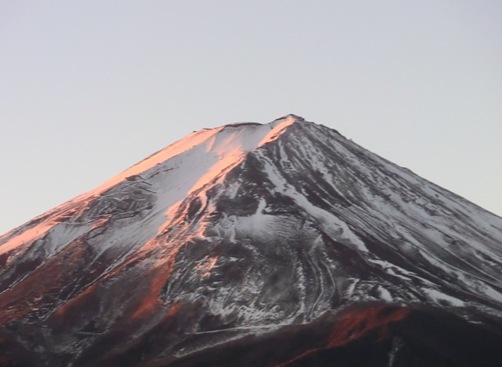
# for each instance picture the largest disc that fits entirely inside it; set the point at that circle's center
(240, 236)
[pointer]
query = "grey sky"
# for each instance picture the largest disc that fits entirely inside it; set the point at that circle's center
(88, 88)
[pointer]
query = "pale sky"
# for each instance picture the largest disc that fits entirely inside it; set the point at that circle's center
(89, 88)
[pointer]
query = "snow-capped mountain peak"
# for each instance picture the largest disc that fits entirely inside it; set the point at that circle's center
(240, 230)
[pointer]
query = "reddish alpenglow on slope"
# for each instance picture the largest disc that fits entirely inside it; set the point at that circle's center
(255, 245)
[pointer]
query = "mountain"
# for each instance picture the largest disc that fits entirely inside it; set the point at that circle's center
(279, 244)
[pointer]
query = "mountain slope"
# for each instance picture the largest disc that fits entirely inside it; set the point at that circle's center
(233, 232)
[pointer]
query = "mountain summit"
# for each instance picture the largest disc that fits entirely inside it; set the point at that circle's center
(279, 244)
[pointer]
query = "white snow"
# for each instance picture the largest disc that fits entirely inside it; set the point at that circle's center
(438, 296)
(331, 224)
(385, 294)
(185, 166)
(26, 236)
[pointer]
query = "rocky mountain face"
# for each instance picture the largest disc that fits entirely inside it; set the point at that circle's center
(282, 244)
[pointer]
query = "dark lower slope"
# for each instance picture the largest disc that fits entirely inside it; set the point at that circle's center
(373, 335)
(370, 335)
(403, 337)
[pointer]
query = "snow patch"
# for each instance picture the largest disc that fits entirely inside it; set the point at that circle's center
(440, 297)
